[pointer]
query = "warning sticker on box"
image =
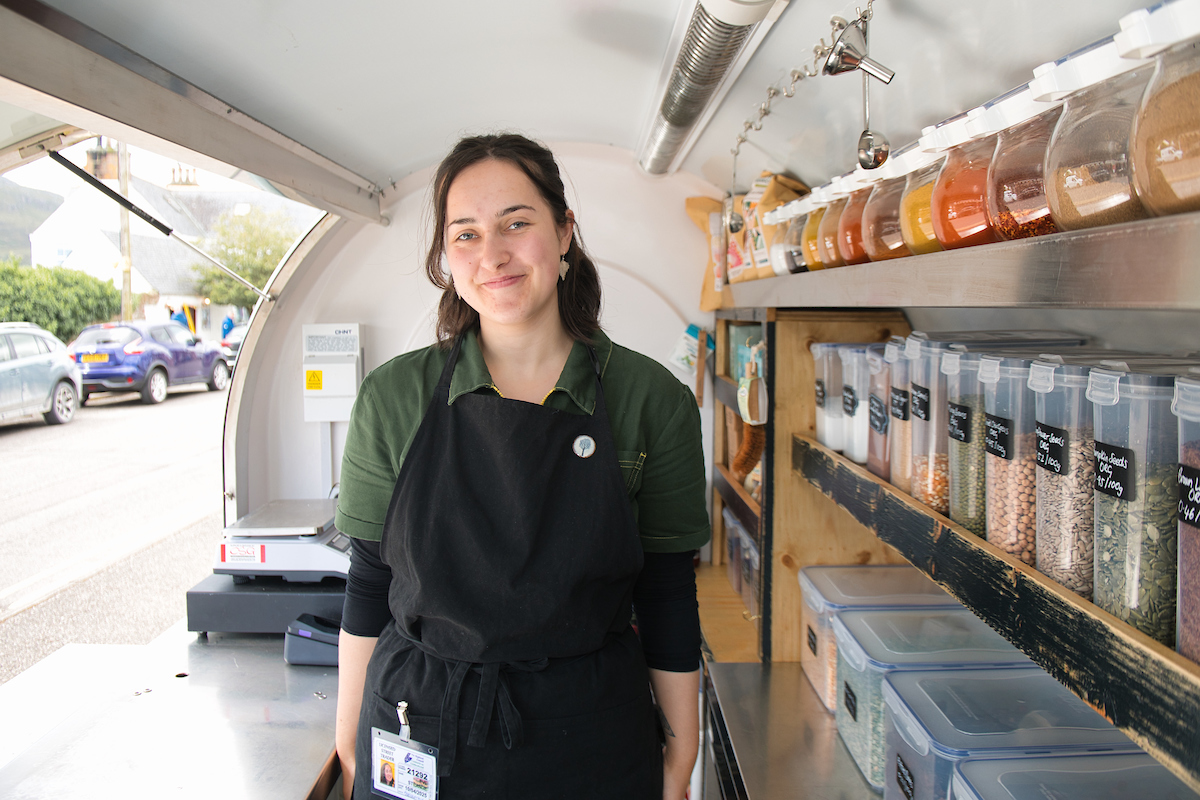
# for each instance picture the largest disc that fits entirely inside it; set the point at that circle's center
(313, 379)
(243, 553)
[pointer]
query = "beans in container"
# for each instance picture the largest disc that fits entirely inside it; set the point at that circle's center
(1186, 405)
(1011, 455)
(964, 416)
(1137, 494)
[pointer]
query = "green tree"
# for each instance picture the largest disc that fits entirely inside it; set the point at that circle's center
(63, 301)
(250, 244)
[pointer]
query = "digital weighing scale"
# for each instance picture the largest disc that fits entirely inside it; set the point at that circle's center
(291, 539)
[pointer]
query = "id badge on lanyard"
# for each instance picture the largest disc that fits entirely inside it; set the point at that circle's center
(401, 767)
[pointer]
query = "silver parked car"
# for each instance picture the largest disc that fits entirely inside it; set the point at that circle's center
(37, 375)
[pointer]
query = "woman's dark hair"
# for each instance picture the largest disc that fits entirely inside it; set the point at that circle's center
(578, 293)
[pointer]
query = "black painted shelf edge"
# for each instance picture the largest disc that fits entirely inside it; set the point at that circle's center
(725, 390)
(733, 498)
(1148, 691)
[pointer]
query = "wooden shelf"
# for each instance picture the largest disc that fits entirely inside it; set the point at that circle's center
(725, 390)
(1147, 690)
(728, 632)
(1148, 264)
(737, 499)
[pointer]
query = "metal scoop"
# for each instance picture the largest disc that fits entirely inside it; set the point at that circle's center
(873, 147)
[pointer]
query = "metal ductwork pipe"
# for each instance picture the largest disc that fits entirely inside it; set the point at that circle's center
(715, 35)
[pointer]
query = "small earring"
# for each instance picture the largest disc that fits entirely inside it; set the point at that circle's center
(563, 267)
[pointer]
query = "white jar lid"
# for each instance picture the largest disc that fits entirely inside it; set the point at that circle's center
(1007, 110)
(1149, 31)
(1085, 67)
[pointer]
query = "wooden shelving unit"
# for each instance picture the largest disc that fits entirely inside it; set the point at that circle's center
(1147, 690)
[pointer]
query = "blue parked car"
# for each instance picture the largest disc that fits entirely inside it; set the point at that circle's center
(146, 357)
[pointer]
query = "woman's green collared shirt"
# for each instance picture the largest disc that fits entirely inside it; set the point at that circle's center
(654, 419)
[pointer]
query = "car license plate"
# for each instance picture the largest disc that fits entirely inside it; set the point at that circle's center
(94, 358)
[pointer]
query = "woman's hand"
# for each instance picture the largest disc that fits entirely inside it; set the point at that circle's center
(678, 695)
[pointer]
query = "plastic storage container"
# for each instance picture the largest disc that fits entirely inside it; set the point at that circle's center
(1137, 494)
(871, 643)
(916, 205)
(883, 238)
(965, 428)
(1017, 204)
(1095, 776)
(733, 549)
(751, 571)
(1010, 442)
(900, 410)
(1166, 130)
(828, 590)
(879, 389)
(827, 367)
(856, 380)
(936, 719)
(1186, 406)
(1089, 175)
(810, 240)
(850, 226)
(960, 217)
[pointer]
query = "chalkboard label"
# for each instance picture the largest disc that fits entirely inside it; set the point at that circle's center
(998, 438)
(820, 393)
(920, 402)
(1052, 448)
(849, 401)
(900, 406)
(812, 640)
(959, 425)
(878, 414)
(1189, 495)
(904, 778)
(850, 700)
(1114, 471)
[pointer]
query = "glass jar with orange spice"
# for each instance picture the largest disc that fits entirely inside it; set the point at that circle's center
(810, 240)
(850, 232)
(882, 237)
(960, 217)
(1016, 201)
(916, 206)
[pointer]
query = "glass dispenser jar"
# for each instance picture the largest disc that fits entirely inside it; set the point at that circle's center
(916, 206)
(959, 210)
(883, 238)
(1016, 199)
(850, 226)
(810, 240)
(787, 252)
(1089, 176)
(827, 234)
(1166, 130)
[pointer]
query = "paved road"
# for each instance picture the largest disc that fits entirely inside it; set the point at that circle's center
(105, 522)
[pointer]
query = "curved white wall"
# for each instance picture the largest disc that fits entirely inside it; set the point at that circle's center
(650, 257)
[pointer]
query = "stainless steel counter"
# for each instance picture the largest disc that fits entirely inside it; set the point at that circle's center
(786, 744)
(115, 721)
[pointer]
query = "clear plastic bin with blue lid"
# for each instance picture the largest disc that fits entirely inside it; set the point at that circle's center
(924, 350)
(1137, 493)
(1186, 406)
(872, 643)
(827, 590)
(1095, 776)
(936, 719)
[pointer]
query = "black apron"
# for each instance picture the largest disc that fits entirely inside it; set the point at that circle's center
(514, 552)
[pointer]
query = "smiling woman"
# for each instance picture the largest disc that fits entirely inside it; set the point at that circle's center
(514, 493)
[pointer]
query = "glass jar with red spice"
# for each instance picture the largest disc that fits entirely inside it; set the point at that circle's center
(881, 234)
(1016, 199)
(827, 235)
(959, 201)
(850, 233)
(1089, 174)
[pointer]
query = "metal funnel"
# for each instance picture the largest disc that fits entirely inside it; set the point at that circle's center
(849, 54)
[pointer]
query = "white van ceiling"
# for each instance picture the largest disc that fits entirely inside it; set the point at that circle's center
(384, 88)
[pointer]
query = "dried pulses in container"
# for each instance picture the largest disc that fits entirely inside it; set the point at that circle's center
(1137, 496)
(965, 417)
(1011, 461)
(1089, 174)
(1065, 505)
(930, 463)
(1186, 406)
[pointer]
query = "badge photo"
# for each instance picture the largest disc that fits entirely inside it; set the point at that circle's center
(584, 446)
